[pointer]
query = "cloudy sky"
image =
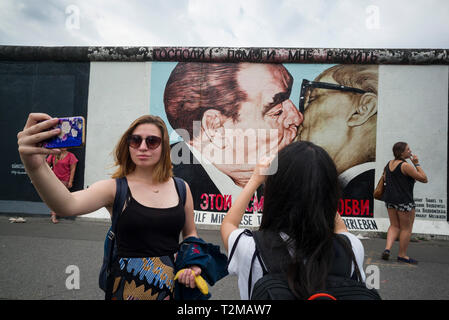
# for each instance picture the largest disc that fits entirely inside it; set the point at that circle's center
(226, 23)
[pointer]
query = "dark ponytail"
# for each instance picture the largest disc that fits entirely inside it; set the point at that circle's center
(301, 199)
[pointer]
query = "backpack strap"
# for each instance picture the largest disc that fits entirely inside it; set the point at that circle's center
(256, 254)
(250, 276)
(272, 252)
(259, 252)
(181, 187)
(346, 243)
(119, 202)
(246, 232)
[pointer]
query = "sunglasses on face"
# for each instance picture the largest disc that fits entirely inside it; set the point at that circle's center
(152, 142)
(307, 85)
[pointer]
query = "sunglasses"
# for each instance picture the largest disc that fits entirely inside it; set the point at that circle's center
(306, 85)
(152, 142)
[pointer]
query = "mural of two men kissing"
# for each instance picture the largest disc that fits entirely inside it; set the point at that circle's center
(222, 117)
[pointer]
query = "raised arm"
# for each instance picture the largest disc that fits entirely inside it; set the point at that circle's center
(232, 219)
(50, 189)
(340, 226)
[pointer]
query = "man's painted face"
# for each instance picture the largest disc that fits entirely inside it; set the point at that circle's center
(325, 117)
(267, 110)
(268, 119)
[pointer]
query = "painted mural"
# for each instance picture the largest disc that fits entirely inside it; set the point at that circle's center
(59, 89)
(224, 116)
(227, 107)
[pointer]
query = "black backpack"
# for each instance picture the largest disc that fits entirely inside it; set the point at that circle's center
(271, 251)
(105, 279)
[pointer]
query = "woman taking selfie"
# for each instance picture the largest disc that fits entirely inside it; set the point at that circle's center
(153, 216)
(400, 178)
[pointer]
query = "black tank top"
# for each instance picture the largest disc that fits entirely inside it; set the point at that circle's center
(149, 232)
(399, 187)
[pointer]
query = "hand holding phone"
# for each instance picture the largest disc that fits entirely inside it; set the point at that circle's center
(39, 127)
(72, 134)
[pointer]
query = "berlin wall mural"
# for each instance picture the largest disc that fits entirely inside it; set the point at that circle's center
(225, 108)
(223, 116)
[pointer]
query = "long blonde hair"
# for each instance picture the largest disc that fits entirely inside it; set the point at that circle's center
(163, 169)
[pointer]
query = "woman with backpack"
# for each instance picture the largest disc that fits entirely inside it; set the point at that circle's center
(300, 218)
(153, 216)
(400, 178)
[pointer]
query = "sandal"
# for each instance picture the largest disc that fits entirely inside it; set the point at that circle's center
(409, 260)
(54, 219)
(386, 254)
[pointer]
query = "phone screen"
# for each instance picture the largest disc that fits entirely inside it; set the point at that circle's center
(72, 134)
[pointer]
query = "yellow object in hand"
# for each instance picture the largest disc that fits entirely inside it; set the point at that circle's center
(199, 281)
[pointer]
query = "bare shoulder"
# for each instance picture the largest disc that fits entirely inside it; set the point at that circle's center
(108, 183)
(106, 187)
(406, 165)
(406, 168)
(185, 183)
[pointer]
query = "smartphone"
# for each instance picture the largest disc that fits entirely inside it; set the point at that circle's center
(73, 134)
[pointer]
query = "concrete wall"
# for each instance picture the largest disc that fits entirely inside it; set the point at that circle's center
(411, 105)
(118, 95)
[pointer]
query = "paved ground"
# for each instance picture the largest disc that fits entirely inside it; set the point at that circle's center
(36, 259)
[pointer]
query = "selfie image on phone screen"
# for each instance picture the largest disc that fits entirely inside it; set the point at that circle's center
(72, 133)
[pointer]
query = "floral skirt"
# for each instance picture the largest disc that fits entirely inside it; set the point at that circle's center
(143, 279)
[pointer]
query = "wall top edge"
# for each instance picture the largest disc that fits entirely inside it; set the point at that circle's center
(227, 54)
